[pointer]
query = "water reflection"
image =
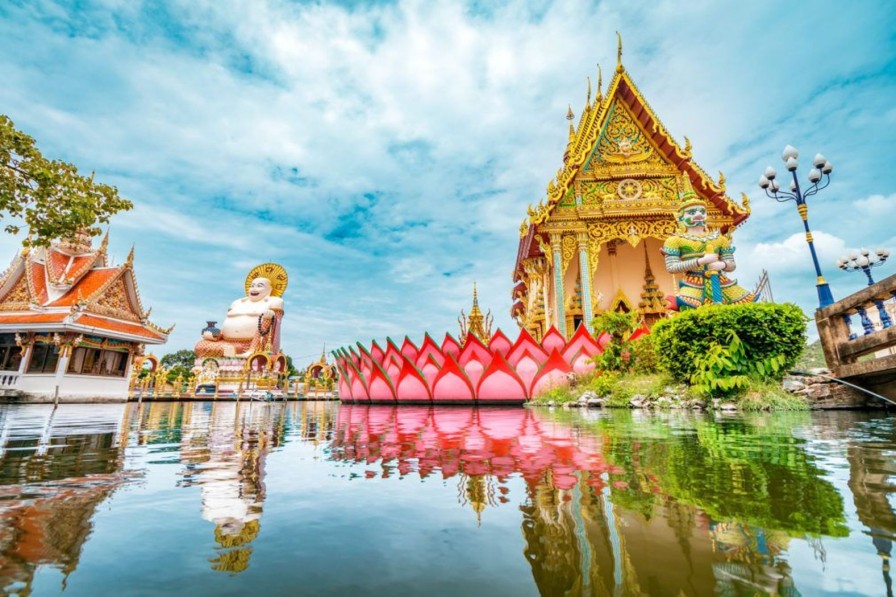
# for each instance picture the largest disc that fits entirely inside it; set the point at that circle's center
(223, 447)
(626, 503)
(611, 503)
(56, 467)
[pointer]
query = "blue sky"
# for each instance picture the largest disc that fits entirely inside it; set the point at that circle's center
(385, 153)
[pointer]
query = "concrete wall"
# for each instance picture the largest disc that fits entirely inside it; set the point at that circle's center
(74, 388)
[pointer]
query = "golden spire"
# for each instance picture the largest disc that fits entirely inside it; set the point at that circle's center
(722, 181)
(600, 83)
(130, 259)
(619, 67)
(476, 323)
(588, 97)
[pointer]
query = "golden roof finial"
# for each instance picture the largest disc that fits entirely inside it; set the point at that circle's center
(600, 84)
(105, 244)
(588, 97)
(570, 115)
(722, 180)
(745, 201)
(130, 259)
(687, 147)
(619, 67)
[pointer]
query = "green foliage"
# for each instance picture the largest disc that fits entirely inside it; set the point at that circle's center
(181, 358)
(50, 196)
(769, 395)
(811, 358)
(726, 371)
(177, 370)
(766, 330)
(616, 355)
(556, 394)
(643, 355)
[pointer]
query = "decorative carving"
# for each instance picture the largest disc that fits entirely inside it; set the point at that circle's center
(623, 140)
(631, 231)
(629, 189)
(17, 297)
(114, 302)
(568, 249)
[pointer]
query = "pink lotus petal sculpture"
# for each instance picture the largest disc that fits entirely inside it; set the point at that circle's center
(472, 373)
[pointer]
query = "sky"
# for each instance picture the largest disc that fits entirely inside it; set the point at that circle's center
(385, 152)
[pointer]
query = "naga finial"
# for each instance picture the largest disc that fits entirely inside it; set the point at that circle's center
(687, 146)
(722, 180)
(745, 201)
(600, 83)
(619, 67)
(588, 97)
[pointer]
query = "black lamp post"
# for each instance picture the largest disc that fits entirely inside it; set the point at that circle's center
(822, 169)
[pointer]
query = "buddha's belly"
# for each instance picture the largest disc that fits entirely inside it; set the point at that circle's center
(240, 327)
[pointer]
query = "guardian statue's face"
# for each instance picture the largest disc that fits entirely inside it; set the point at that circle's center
(259, 289)
(693, 216)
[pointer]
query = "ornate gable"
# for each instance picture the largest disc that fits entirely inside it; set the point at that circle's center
(114, 301)
(18, 298)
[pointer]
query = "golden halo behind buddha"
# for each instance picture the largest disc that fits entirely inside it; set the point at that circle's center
(274, 272)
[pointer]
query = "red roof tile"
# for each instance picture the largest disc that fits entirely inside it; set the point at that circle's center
(39, 281)
(56, 264)
(90, 283)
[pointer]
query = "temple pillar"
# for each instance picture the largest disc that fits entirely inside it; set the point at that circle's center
(560, 315)
(585, 272)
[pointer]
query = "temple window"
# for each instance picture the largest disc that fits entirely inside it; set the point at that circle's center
(94, 361)
(10, 353)
(43, 358)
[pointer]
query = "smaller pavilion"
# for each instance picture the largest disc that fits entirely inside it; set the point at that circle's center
(71, 323)
(475, 323)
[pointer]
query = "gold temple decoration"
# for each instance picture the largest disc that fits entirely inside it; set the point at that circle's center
(619, 183)
(475, 323)
(275, 273)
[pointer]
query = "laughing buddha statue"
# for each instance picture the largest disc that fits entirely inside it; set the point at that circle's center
(252, 321)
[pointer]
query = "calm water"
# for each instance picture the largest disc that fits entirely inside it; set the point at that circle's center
(317, 498)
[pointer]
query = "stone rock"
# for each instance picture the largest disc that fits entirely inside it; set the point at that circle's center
(729, 406)
(638, 401)
(820, 371)
(818, 390)
(793, 384)
(588, 395)
(596, 402)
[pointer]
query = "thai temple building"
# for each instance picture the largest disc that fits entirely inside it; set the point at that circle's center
(71, 323)
(594, 243)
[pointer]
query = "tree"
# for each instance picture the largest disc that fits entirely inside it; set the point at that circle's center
(182, 358)
(49, 196)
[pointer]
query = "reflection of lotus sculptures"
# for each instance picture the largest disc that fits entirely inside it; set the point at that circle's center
(485, 441)
(475, 372)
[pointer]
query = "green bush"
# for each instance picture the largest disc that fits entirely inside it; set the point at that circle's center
(728, 371)
(767, 330)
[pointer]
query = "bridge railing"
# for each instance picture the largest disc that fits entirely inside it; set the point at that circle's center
(845, 341)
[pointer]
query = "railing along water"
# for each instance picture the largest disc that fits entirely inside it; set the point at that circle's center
(843, 348)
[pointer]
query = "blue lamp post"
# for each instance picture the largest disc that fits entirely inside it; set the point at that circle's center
(864, 260)
(822, 169)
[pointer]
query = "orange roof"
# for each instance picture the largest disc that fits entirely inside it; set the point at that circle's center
(118, 326)
(56, 264)
(38, 282)
(80, 265)
(88, 285)
(32, 317)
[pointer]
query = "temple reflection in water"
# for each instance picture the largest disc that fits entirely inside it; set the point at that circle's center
(223, 447)
(707, 508)
(617, 503)
(56, 468)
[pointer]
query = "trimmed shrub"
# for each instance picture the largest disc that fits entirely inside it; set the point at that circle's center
(767, 330)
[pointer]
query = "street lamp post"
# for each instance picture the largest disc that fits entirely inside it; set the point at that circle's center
(822, 169)
(863, 261)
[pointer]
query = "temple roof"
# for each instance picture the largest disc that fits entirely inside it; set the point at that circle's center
(70, 286)
(587, 145)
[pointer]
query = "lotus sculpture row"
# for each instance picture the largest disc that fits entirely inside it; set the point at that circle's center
(473, 372)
